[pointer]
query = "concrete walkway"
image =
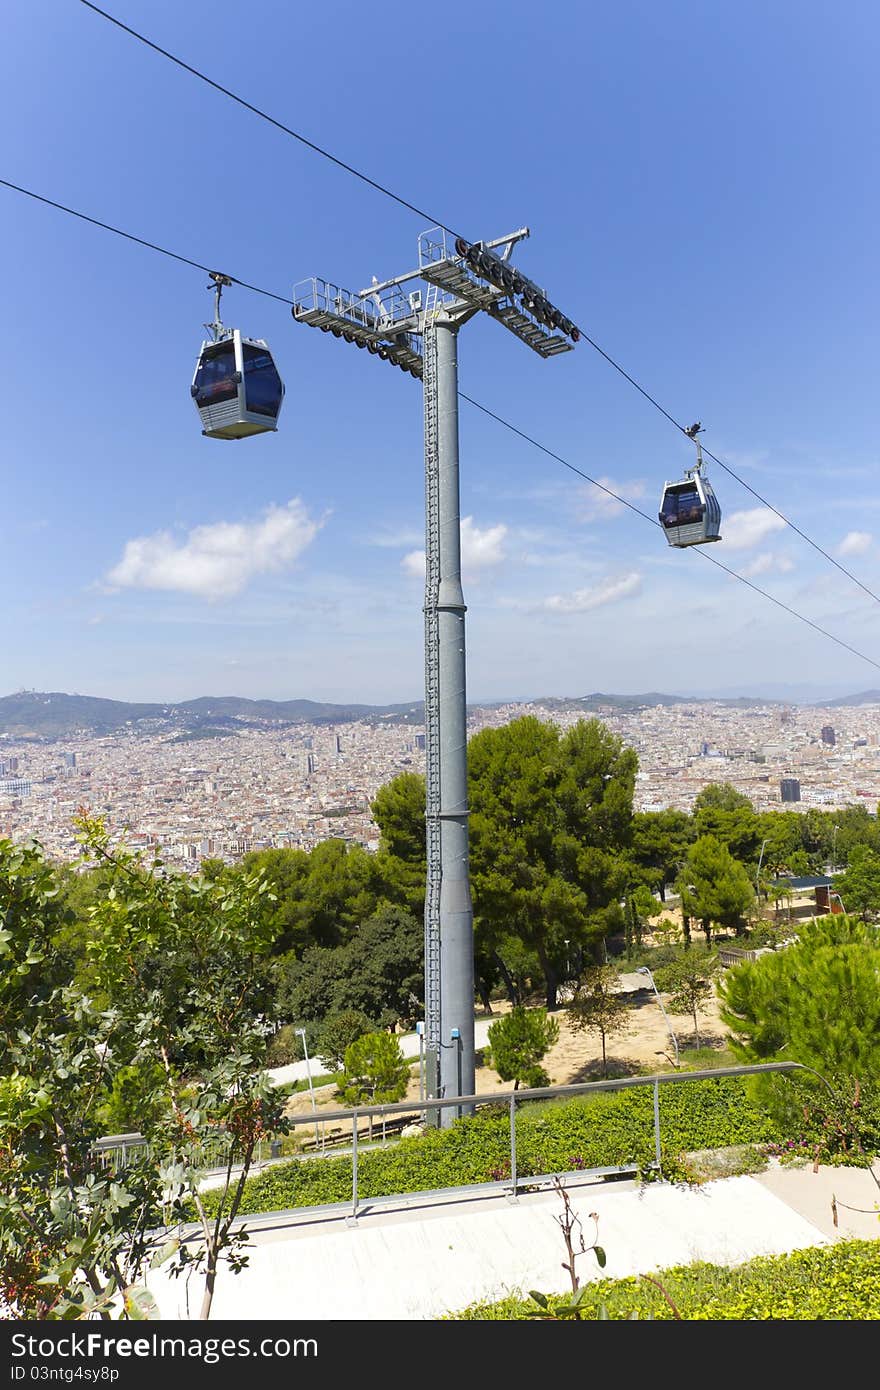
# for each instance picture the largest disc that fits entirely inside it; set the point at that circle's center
(429, 1255)
(409, 1046)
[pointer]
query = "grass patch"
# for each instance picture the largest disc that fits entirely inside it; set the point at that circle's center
(707, 1058)
(840, 1282)
(293, 1088)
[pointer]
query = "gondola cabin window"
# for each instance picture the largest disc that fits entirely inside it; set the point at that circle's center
(215, 379)
(262, 384)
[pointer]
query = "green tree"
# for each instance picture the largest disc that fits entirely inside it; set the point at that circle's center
(600, 1007)
(319, 896)
(135, 1098)
(179, 963)
(550, 818)
(549, 829)
(518, 966)
(724, 813)
(379, 971)
(855, 827)
(816, 1002)
(639, 907)
(53, 1066)
(213, 869)
(518, 1043)
(782, 892)
(376, 1071)
(337, 1033)
(660, 842)
(859, 886)
(399, 811)
(782, 839)
(714, 887)
(689, 981)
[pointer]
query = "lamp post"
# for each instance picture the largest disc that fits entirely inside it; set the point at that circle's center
(418, 333)
(643, 970)
(302, 1033)
(420, 1033)
(760, 862)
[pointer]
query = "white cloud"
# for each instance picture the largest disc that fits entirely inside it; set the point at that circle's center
(595, 505)
(745, 530)
(768, 564)
(582, 600)
(217, 560)
(414, 564)
(480, 549)
(855, 543)
(393, 540)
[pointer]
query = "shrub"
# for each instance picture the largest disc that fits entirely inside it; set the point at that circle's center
(837, 1282)
(337, 1033)
(551, 1136)
(518, 1042)
(285, 1047)
(376, 1070)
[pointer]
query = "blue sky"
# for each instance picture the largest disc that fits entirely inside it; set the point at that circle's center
(700, 184)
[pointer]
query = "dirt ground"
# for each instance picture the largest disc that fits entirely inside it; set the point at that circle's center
(577, 1056)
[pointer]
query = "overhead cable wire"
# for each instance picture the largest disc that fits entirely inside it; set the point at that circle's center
(264, 115)
(803, 535)
(403, 202)
(151, 245)
(536, 443)
(529, 439)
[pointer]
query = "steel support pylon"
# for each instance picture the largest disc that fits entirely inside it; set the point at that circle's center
(462, 279)
(449, 945)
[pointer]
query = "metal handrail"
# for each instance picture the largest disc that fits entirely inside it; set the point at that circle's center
(548, 1092)
(510, 1099)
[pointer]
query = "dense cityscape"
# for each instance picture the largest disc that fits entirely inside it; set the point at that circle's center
(262, 787)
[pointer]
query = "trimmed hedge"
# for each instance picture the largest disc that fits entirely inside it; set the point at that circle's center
(551, 1136)
(818, 1284)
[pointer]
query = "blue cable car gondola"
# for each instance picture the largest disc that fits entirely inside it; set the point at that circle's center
(689, 510)
(236, 386)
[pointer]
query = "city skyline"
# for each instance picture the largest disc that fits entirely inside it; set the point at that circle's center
(57, 713)
(686, 213)
(259, 787)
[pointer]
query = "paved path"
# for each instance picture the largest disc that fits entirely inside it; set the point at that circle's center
(409, 1046)
(631, 983)
(431, 1255)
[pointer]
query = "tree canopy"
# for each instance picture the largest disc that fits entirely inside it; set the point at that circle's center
(816, 1002)
(176, 966)
(518, 1043)
(379, 972)
(714, 886)
(550, 821)
(859, 886)
(320, 895)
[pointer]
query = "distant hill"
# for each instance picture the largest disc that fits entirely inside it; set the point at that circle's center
(48, 714)
(54, 714)
(596, 701)
(34, 714)
(867, 697)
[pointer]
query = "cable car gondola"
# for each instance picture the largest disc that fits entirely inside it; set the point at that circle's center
(689, 510)
(236, 386)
